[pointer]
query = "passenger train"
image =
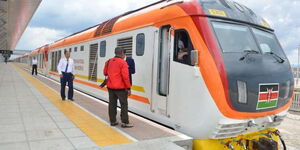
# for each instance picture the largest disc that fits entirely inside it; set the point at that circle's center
(230, 90)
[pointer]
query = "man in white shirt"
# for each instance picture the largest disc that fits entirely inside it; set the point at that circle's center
(65, 69)
(34, 66)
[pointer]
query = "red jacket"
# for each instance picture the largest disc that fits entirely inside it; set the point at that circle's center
(117, 71)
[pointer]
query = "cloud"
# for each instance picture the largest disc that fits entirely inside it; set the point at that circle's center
(55, 19)
(293, 56)
(35, 37)
(74, 16)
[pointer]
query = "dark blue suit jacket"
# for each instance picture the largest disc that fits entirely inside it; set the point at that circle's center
(131, 67)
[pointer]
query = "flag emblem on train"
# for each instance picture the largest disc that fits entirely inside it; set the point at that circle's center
(267, 96)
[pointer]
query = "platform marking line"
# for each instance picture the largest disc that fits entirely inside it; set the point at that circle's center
(97, 131)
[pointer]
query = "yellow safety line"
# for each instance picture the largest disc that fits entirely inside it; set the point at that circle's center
(99, 132)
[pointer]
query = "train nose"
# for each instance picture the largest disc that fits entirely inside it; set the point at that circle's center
(259, 85)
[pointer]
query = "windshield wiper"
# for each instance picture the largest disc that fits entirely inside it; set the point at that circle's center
(278, 58)
(247, 53)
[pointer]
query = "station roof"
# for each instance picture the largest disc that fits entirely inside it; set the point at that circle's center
(14, 18)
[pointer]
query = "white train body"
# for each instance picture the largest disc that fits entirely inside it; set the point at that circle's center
(164, 90)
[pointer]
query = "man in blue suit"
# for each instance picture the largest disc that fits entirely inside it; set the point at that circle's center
(131, 67)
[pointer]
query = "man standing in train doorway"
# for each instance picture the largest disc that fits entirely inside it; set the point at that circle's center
(34, 66)
(65, 69)
(118, 84)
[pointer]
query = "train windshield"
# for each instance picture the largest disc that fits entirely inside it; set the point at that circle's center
(239, 38)
(268, 42)
(234, 38)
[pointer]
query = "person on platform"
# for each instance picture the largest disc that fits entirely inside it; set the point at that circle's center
(131, 67)
(34, 66)
(118, 85)
(65, 69)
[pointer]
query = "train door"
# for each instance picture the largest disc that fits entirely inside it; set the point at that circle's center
(42, 60)
(93, 57)
(52, 62)
(160, 91)
(37, 59)
(184, 74)
(30, 60)
(55, 60)
(58, 57)
(45, 61)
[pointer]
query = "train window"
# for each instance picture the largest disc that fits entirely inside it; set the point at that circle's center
(126, 43)
(82, 48)
(140, 44)
(102, 48)
(70, 50)
(182, 47)
(234, 38)
(268, 42)
(75, 49)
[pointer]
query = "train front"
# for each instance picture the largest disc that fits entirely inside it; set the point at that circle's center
(255, 73)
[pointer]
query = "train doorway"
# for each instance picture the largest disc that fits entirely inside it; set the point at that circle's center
(161, 80)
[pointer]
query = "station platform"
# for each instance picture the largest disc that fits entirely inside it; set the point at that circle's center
(33, 117)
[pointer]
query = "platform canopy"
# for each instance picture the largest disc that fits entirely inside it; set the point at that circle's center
(14, 18)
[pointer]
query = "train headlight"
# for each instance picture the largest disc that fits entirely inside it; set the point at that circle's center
(242, 92)
(287, 90)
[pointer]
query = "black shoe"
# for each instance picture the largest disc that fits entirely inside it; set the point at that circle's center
(114, 124)
(63, 99)
(71, 99)
(126, 125)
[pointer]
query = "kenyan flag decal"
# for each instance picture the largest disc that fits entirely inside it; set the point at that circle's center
(268, 96)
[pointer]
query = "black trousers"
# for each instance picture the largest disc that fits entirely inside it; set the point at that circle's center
(114, 95)
(34, 69)
(67, 78)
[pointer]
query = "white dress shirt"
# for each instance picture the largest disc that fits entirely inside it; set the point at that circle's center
(34, 62)
(63, 64)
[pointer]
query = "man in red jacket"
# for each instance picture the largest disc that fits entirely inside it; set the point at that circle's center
(118, 85)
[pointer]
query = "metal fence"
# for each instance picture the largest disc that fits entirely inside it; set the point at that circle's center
(296, 102)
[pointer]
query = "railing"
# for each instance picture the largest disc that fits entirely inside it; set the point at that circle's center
(296, 101)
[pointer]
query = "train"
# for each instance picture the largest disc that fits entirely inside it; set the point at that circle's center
(230, 90)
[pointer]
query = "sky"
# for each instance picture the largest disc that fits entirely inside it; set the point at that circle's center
(56, 19)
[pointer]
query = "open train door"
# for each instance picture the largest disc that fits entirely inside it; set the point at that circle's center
(161, 69)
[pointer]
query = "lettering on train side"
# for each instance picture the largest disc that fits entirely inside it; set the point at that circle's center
(79, 64)
(79, 68)
(79, 61)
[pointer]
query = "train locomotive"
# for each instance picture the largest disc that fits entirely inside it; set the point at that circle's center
(211, 69)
